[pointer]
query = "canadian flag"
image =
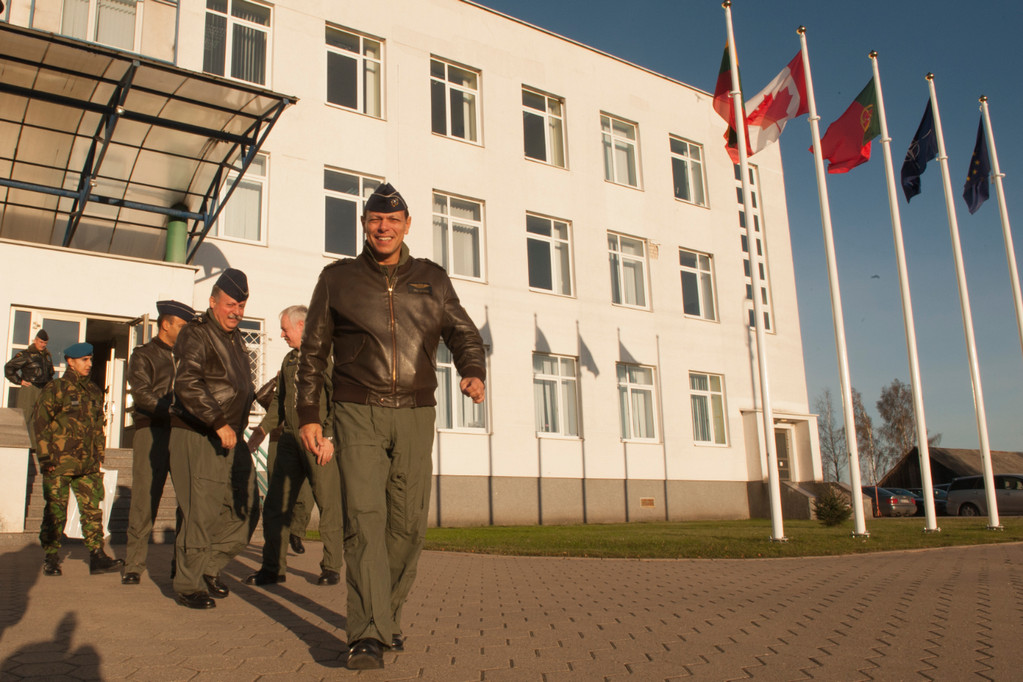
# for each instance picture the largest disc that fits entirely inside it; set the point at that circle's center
(782, 99)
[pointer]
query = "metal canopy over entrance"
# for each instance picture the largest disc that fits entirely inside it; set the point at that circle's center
(100, 148)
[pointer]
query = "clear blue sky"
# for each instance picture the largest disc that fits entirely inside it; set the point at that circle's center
(970, 47)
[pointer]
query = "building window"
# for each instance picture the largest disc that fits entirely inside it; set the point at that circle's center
(627, 256)
(458, 235)
(245, 211)
(354, 71)
(109, 22)
(620, 155)
(636, 407)
(707, 393)
(555, 395)
(549, 252)
(237, 40)
(697, 284)
(345, 197)
(687, 171)
(759, 258)
(454, 99)
(454, 410)
(543, 127)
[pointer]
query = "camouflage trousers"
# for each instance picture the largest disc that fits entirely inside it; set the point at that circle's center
(88, 491)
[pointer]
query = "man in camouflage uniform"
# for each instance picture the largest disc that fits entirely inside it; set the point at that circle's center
(151, 377)
(295, 465)
(31, 369)
(68, 419)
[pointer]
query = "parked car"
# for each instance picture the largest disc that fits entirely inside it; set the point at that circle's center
(888, 503)
(966, 495)
(940, 496)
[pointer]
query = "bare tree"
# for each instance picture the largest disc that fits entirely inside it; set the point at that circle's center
(834, 454)
(897, 433)
(866, 442)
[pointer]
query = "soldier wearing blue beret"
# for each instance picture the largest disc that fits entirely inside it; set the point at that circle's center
(68, 419)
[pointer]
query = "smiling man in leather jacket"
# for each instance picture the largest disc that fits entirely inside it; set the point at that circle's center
(384, 313)
(211, 468)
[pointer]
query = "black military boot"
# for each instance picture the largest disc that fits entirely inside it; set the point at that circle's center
(99, 562)
(51, 565)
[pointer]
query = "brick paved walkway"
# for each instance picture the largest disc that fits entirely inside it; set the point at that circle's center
(945, 614)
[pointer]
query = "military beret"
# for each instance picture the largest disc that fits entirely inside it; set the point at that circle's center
(175, 308)
(42, 335)
(386, 199)
(78, 350)
(235, 284)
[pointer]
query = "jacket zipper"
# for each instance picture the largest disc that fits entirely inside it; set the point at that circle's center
(391, 280)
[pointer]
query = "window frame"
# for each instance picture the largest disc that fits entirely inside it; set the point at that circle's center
(92, 21)
(264, 202)
(700, 276)
(552, 241)
(449, 86)
(444, 259)
(364, 181)
(455, 393)
(231, 22)
(619, 270)
(630, 389)
(608, 142)
(547, 117)
(361, 59)
(563, 390)
(707, 395)
(688, 160)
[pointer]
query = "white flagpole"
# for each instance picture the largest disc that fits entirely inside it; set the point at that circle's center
(922, 446)
(836, 300)
(1003, 212)
(773, 484)
(964, 303)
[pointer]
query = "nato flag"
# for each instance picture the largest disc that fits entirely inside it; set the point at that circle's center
(976, 191)
(922, 149)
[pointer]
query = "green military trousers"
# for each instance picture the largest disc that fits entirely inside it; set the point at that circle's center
(88, 491)
(386, 468)
(293, 467)
(26, 401)
(302, 509)
(216, 492)
(149, 468)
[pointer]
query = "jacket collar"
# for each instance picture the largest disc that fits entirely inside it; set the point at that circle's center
(367, 257)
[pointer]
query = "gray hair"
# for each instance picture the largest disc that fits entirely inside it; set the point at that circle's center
(295, 313)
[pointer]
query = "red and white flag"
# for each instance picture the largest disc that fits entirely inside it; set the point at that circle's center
(782, 99)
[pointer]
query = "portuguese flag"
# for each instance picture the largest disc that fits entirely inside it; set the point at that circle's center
(846, 143)
(723, 105)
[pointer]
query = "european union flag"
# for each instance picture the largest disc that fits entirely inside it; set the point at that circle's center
(976, 190)
(922, 149)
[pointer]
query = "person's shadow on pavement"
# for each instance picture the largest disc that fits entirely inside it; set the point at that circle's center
(19, 571)
(53, 658)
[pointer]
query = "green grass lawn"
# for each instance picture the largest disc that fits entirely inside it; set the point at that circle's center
(717, 539)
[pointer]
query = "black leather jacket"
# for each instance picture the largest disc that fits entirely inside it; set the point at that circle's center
(151, 377)
(384, 328)
(32, 365)
(213, 381)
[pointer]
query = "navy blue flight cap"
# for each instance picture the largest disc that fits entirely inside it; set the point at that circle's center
(78, 350)
(386, 199)
(235, 284)
(42, 335)
(175, 308)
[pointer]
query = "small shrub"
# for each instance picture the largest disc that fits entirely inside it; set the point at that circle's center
(831, 507)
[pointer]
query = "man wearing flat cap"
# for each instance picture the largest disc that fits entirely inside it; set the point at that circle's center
(31, 369)
(384, 313)
(151, 378)
(210, 466)
(68, 419)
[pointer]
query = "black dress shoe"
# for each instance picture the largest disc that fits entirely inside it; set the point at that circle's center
(397, 643)
(196, 600)
(264, 577)
(51, 565)
(99, 562)
(174, 568)
(130, 579)
(365, 654)
(218, 590)
(329, 577)
(296, 544)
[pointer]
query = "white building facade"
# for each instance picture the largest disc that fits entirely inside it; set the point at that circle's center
(584, 207)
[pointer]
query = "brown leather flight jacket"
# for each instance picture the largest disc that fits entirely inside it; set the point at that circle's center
(385, 328)
(213, 381)
(151, 377)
